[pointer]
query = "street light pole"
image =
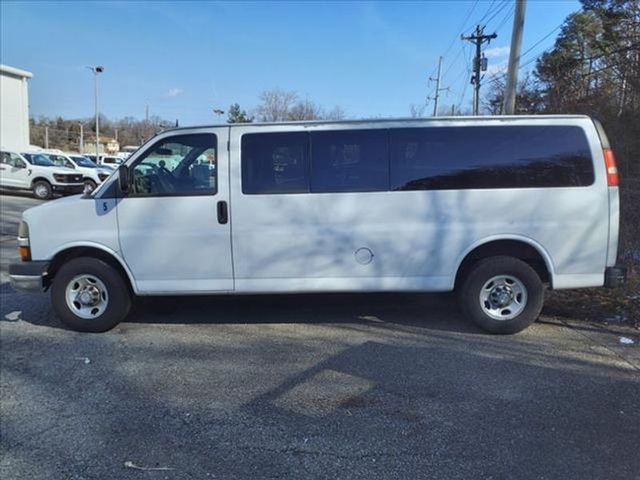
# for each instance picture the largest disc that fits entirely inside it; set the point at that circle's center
(96, 71)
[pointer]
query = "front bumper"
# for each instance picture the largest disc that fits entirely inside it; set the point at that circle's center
(27, 276)
(71, 189)
(615, 276)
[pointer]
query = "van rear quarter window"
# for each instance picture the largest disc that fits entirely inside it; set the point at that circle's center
(439, 158)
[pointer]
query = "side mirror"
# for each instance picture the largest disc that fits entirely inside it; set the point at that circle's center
(123, 178)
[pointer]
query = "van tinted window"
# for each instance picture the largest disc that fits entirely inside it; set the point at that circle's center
(438, 158)
(349, 161)
(275, 162)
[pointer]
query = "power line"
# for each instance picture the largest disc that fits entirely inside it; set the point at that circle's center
(468, 72)
(497, 12)
(542, 39)
(489, 11)
(497, 76)
(448, 49)
(506, 18)
(494, 9)
(461, 28)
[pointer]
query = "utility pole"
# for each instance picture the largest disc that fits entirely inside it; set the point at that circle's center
(81, 143)
(478, 38)
(509, 101)
(146, 121)
(96, 71)
(116, 134)
(437, 79)
(46, 136)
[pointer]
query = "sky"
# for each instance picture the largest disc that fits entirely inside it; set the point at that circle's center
(185, 59)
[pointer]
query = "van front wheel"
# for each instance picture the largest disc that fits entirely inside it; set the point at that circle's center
(501, 295)
(89, 295)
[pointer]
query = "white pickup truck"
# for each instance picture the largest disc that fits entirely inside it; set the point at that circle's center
(92, 174)
(35, 172)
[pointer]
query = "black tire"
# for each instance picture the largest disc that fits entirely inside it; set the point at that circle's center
(90, 183)
(117, 289)
(481, 273)
(42, 190)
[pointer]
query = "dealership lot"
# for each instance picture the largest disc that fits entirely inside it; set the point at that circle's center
(313, 386)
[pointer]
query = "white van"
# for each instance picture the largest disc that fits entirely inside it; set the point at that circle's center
(34, 171)
(496, 208)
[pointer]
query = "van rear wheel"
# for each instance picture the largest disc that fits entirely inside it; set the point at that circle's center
(501, 295)
(89, 295)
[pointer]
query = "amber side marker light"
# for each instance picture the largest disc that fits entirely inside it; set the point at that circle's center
(25, 253)
(613, 179)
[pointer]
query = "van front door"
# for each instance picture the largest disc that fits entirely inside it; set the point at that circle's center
(174, 222)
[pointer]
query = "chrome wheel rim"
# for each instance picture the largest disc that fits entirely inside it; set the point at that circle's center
(42, 191)
(87, 296)
(503, 297)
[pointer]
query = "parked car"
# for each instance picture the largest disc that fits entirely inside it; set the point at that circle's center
(495, 208)
(35, 172)
(111, 163)
(111, 160)
(92, 174)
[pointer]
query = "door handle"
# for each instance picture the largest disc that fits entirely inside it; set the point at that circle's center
(223, 213)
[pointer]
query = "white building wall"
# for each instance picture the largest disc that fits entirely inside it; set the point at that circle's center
(14, 108)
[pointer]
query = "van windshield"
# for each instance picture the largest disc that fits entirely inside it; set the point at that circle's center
(39, 159)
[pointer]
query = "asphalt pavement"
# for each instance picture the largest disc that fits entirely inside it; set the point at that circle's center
(388, 386)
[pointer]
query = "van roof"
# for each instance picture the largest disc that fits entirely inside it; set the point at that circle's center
(385, 120)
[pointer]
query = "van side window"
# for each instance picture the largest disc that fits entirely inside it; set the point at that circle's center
(180, 165)
(349, 161)
(275, 163)
(440, 158)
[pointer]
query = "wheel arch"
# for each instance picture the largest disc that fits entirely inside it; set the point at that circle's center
(40, 179)
(98, 251)
(523, 248)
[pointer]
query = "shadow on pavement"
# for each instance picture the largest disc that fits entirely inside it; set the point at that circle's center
(429, 311)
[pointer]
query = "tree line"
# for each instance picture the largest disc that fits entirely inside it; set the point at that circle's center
(593, 69)
(276, 105)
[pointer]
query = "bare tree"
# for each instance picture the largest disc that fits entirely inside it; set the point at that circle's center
(416, 111)
(336, 113)
(276, 105)
(279, 105)
(305, 110)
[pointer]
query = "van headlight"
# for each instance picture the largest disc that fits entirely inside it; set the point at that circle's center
(23, 230)
(24, 247)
